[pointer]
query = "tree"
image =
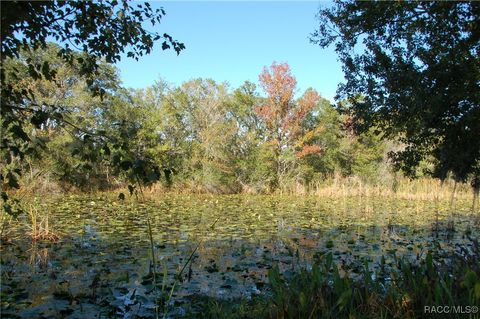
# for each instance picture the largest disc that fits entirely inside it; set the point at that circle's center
(77, 105)
(107, 141)
(325, 130)
(283, 114)
(212, 134)
(361, 155)
(164, 128)
(253, 171)
(99, 29)
(412, 71)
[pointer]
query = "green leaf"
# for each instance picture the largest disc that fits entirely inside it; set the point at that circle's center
(18, 131)
(344, 298)
(12, 180)
(106, 150)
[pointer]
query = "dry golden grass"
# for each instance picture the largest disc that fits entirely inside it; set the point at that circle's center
(40, 228)
(421, 189)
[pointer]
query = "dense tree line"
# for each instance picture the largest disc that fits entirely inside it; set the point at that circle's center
(202, 135)
(411, 77)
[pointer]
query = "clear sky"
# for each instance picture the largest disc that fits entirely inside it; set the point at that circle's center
(233, 41)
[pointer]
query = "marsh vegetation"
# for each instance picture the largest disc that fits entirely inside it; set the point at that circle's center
(200, 199)
(277, 255)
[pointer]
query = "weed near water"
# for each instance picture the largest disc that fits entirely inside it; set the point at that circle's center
(400, 290)
(102, 265)
(40, 228)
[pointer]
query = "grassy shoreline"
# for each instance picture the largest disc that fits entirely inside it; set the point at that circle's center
(403, 188)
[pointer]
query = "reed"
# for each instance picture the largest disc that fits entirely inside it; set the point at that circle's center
(337, 187)
(40, 228)
(422, 189)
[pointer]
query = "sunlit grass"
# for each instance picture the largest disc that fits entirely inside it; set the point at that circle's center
(40, 228)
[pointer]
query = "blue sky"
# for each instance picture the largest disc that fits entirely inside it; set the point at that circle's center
(233, 41)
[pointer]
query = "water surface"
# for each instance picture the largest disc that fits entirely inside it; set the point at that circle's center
(102, 264)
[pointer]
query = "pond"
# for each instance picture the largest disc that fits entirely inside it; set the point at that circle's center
(223, 246)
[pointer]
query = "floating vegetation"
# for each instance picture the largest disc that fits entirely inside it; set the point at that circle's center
(401, 290)
(125, 259)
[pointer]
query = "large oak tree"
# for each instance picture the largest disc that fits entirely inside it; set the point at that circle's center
(412, 70)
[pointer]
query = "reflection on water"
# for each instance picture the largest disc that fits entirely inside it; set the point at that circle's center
(38, 257)
(103, 260)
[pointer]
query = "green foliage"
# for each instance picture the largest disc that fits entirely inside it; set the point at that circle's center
(416, 65)
(362, 156)
(321, 292)
(200, 134)
(329, 124)
(89, 32)
(105, 28)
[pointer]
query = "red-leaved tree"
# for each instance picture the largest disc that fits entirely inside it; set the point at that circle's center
(283, 114)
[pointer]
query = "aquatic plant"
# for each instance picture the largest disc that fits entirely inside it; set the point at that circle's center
(104, 267)
(400, 290)
(40, 228)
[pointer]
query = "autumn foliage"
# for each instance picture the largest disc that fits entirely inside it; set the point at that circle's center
(283, 114)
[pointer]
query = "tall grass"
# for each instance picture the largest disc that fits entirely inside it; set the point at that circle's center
(400, 188)
(403, 188)
(5, 227)
(40, 228)
(391, 186)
